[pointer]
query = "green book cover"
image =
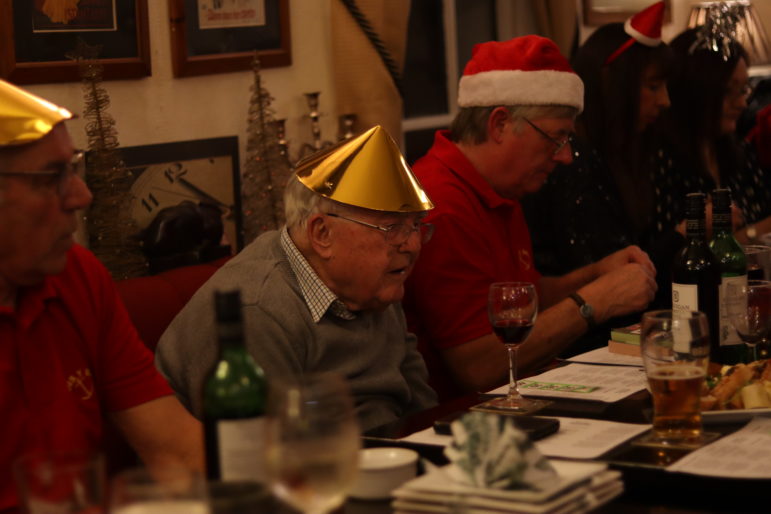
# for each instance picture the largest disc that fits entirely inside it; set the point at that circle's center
(630, 334)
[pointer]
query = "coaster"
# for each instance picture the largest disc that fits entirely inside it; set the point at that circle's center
(650, 440)
(491, 406)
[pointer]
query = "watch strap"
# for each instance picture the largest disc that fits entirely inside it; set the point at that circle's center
(584, 309)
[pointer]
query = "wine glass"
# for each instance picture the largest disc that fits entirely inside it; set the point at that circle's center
(169, 490)
(758, 261)
(312, 442)
(512, 308)
(749, 309)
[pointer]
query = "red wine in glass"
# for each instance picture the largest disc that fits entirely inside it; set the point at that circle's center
(512, 331)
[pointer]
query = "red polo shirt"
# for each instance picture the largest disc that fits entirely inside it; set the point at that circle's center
(68, 354)
(480, 238)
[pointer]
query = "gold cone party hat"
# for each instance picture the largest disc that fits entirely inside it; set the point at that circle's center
(367, 171)
(25, 117)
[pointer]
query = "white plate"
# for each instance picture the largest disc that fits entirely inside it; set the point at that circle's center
(732, 416)
(571, 474)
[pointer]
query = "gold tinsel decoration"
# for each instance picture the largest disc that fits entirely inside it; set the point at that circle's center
(267, 167)
(110, 228)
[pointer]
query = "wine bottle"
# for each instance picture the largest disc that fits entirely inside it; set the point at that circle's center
(696, 272)
(733, 270)
(234, 398)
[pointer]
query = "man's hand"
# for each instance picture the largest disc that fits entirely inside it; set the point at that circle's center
(626, 289)
(619, 259)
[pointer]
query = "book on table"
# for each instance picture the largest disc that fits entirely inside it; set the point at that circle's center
(625, 340)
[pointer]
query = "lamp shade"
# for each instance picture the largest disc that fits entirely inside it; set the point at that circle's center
(741, 17)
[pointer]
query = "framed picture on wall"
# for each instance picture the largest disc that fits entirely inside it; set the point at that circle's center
(600, 12)
(36, 37)
(219, 36)
(176, 180)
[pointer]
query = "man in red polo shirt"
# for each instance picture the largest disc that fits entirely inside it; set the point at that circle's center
(518, 102)
(68, 352)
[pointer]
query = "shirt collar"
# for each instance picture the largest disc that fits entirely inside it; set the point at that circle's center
(317, 295)
(458, 163)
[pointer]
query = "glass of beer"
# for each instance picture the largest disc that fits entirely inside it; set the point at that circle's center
(675, 350)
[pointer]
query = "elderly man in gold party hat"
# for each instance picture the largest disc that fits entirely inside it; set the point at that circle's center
(68, 352)
(323, 293)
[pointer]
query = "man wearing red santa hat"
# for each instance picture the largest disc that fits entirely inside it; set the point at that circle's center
(518, 101)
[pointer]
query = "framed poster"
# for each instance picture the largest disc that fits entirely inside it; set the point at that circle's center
(600, 12)
(204, 172)
(219, 36)
(37, 35)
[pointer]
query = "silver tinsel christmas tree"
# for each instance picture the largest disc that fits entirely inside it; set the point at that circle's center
(110, 229)
(267, 167)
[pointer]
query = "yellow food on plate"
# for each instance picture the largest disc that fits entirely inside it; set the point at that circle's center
(742, 386)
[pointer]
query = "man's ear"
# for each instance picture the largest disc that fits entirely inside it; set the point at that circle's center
(497, 123)
(320, 235)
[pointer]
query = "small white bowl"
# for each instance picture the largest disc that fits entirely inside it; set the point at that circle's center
(381, 470)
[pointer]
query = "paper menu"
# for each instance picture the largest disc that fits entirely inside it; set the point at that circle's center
(742, 454)
(603, 356)
(577, 438)
(583, 382)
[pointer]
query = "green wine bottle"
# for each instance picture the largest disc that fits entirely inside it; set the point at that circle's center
(234, 398)
(696, 272)
(733, 270)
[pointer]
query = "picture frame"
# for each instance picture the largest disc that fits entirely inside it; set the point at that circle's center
(203, 171)
(221, 36)
(600, 12)
(36, 37)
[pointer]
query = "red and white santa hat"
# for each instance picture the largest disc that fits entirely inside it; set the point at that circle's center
(644, 28)
(527, 70)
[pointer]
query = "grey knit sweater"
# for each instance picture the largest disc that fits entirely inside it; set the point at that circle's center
(374, 352)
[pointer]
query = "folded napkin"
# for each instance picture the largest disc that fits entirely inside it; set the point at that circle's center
(488, 450)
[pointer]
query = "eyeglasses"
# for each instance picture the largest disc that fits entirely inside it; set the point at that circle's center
(61, 177)
(560, 144)
(398, 233)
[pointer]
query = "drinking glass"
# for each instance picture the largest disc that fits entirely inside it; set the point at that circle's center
(63, 483)
(758, 262)
(512, 308)
(675, 351)
(171, 490)
(312, 442)
(749, 309)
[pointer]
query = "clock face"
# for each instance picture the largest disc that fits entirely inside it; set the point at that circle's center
(158, 186)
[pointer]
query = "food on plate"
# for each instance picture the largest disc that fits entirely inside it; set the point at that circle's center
(741, 386)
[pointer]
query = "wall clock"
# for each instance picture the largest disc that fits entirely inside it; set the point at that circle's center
(202, 171)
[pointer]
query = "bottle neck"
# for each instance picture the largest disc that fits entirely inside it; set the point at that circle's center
(695, 229)
(230, 336)
(721, 222)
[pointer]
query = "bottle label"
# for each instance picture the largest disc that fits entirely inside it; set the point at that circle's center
(685, 297)
(241, 449)
(728, 334)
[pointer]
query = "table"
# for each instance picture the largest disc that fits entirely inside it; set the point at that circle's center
(648, 488)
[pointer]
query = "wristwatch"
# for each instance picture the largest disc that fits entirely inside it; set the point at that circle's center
(584, 309)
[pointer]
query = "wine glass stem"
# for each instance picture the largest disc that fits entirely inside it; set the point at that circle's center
(513, 389)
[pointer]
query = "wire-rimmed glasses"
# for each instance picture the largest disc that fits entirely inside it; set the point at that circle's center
(396, 234)
(60, 177)
(559, 144)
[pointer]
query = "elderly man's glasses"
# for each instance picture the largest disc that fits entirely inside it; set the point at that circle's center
(398, 233)
(559, 144)
(59, 177)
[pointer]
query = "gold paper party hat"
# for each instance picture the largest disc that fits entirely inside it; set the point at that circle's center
(25, 117)
(367, 171)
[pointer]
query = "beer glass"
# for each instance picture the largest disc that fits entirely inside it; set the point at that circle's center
(675, 351)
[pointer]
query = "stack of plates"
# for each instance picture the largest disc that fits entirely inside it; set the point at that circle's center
(581, 487)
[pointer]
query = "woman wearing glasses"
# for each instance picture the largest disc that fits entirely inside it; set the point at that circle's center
(709, 91)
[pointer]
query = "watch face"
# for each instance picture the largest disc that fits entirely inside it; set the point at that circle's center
(201, 172)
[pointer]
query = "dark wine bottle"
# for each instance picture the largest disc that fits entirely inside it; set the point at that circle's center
(696, 272)
(234, 398)
(733, 270)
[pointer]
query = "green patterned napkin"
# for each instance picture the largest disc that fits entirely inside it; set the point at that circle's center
(488, 450)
